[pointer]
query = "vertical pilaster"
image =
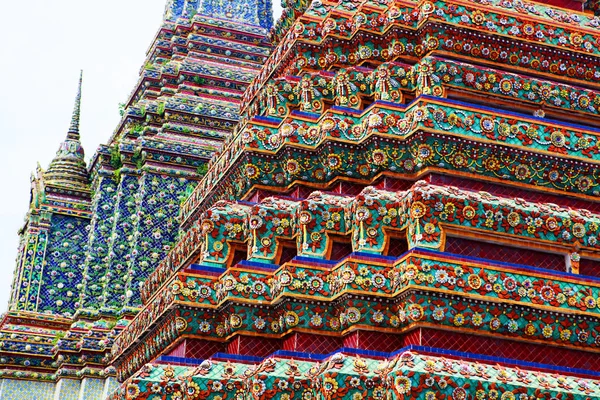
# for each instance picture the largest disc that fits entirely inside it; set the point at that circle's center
(17, 275)
(156, 229)
(67, 389)
(101, 226)
(32, 264)
(110, 384)
(119, 252)
(91, 389)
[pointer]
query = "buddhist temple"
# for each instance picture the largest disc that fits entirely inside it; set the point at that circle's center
(362, 199)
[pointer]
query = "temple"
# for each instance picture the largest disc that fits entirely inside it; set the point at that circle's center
(375, 199)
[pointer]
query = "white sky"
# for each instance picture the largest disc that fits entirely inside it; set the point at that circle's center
(44, 45)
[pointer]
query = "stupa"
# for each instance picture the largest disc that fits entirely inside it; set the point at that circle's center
(374, 199)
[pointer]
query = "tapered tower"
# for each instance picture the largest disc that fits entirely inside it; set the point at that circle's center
(95, 234)
(53, 238)
(373, 200)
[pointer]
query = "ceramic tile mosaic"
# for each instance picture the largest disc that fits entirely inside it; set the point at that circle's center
(26, 390)
(91, 388)
(67, 389)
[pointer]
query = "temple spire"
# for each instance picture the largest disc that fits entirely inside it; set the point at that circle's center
(68, 169)
(74, 127)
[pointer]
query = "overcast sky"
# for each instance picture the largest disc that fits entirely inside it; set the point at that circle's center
(44, 45)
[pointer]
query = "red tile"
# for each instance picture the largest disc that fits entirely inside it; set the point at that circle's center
(375, 341)
(253, 346)
(509, 349)
(310, 343)
(504, 253)
(198, 348)
(589, 267)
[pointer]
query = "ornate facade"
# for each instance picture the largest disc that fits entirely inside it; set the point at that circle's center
(368, 200)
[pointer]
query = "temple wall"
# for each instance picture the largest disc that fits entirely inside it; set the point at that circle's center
(12, 389)
(49, 266)
(134, 226)
(64, 389)
(91, 388)
(156, 229)
(67, 389)
(105, 195)
(120, 244)
(58, 290)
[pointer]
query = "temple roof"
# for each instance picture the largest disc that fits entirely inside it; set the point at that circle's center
(68, 171)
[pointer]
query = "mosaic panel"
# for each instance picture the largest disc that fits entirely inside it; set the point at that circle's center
(26, 390)
(156, 228)
(31, 269)
(120, 244)
(67, 389)
(91, 389)
(59, 292)
(105, 195)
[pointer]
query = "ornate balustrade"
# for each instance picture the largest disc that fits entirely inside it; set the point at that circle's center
(425, 289)
(562, 229)
(451, 130)
(414, 374)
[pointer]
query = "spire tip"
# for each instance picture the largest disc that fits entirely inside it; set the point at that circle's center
(74, 127)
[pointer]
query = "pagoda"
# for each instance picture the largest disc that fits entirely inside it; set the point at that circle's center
(94, 233)
(374, 199)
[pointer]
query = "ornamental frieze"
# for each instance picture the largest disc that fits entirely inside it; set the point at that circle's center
(403, 375)
(451, 118)
(418, 153)
(517, 299)
(413, 309)
(431, 75)
(424, 221)
(443, 27)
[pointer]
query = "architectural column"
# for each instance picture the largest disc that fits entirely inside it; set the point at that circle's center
(91, 389)
(119, 250)
(101, 225)
(67, 389)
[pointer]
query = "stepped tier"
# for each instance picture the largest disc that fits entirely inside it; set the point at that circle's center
(291, 273)
(382, 199)
(185, 104)
(427, 136)
(458, 204)
(529, 36)
(94, 234)
(413, 373)
(403, 141)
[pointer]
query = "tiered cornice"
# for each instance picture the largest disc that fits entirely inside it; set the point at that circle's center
(413, 372)
(67, 173)
(426, 214)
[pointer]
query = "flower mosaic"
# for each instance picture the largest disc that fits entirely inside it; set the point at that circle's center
(498, 286)
(119, 250)
(262, 188)
(155, 230)
(407, 374)
(98, 240)
(63, 273)
(94, 234)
